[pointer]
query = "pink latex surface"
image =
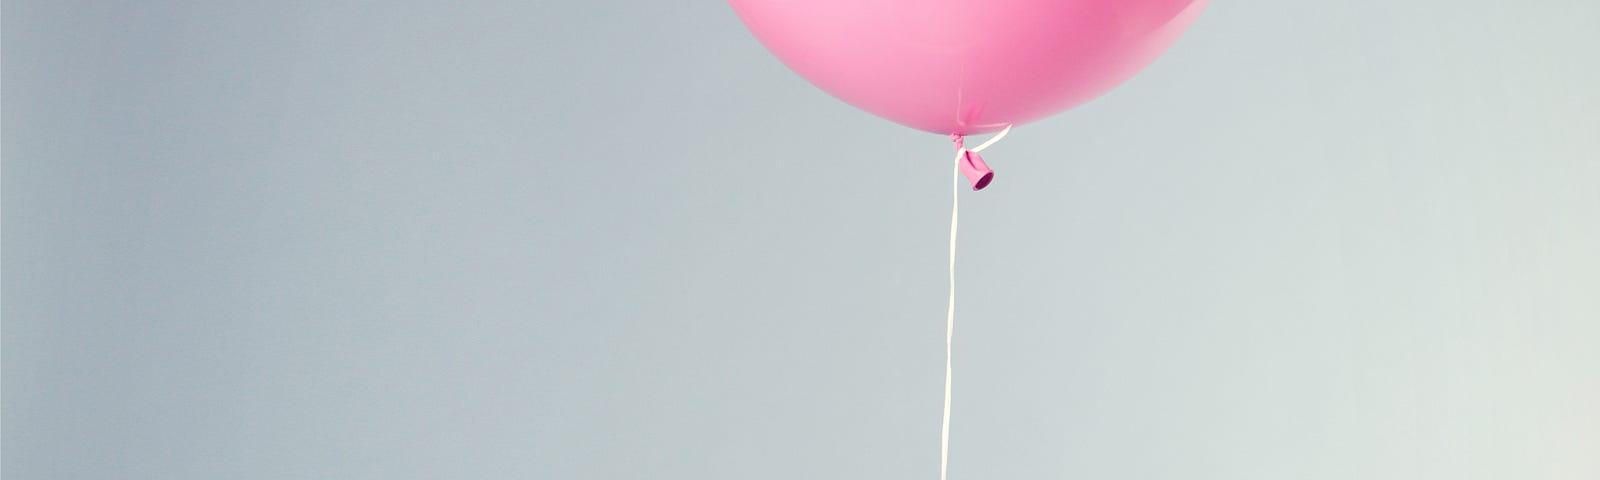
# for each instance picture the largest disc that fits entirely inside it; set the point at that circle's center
(966, 66)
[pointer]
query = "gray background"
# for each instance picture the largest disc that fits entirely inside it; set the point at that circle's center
(264, 240)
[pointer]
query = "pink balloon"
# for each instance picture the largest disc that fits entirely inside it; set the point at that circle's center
(966, 66)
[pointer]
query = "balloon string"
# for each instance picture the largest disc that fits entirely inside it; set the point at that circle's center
(960, 150)
(950, 314)
(993, 140)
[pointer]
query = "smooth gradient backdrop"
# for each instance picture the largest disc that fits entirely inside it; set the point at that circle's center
(618, 240)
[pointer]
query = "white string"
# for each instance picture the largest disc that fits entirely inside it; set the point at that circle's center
(993, 139)
(950, 316)
(980, 147)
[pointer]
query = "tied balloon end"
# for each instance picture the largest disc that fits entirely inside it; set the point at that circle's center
(976, 171)
(971, 164)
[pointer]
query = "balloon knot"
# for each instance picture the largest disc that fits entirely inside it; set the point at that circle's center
(959, 140)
